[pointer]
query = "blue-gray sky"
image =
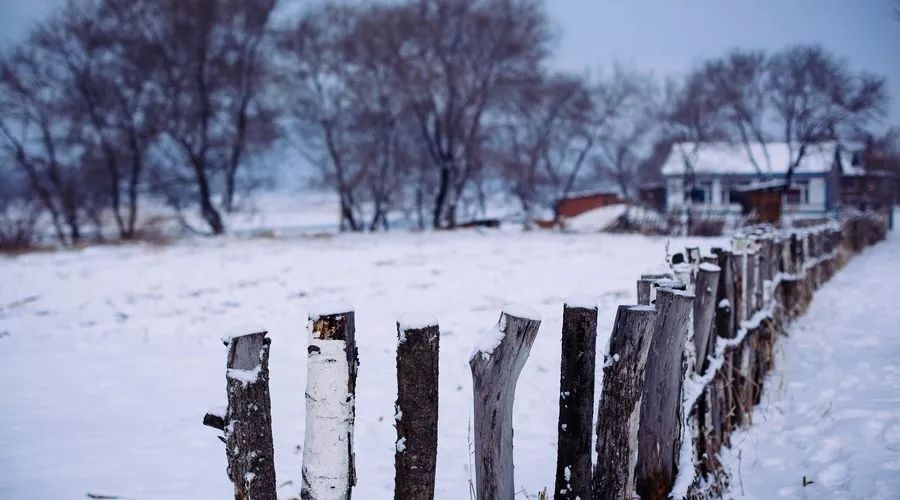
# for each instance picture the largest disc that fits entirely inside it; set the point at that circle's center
(669, 36)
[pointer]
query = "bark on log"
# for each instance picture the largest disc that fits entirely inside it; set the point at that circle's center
(329, 471)
(496, 363)
(644, 291)
(618, 414)
(248, 418)
(416, 409)
(661, 407)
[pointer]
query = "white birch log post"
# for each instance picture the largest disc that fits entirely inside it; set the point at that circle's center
(248, 417)
(661, 400)
(416, 409)
(576, 399)
(329, 472)
(496, 363)
(618, 415)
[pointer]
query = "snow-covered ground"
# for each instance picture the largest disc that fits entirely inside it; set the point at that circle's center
(110, 356)
(831, 411)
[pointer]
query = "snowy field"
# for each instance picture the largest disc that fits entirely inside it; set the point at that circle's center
(109, 356)
(831, 410)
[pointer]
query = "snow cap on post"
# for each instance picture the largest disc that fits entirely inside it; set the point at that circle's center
(493, 336)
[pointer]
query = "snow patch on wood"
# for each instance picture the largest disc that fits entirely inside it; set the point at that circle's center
(316, 311)
(415, 320)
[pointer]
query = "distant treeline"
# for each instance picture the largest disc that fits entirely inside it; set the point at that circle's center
(422, 109)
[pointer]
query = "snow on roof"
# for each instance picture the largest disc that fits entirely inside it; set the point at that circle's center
(721, 158)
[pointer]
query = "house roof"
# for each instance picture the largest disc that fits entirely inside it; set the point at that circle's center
(721, 158)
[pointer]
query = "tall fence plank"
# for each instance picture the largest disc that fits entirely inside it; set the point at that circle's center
(496, 363)
(661, 414)
(416, 409)
(576, 399)
(618, 415)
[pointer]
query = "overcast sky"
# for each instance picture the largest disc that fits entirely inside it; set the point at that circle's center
(670, 36)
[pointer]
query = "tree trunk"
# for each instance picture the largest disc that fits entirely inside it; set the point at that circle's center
(576, 399)
(416, 409)
(661, 411)
(496, 363)
(328, 461)
(248, 419)
(619, 409)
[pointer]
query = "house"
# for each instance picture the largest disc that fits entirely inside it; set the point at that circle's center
(721, 173)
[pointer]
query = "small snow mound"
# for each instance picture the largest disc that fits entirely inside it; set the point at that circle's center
(669, 283)
(520, 311)
(708, 266)
(415, 320)
(596, 220)
(218, 411)
(489, 341)
(245, 377)
(642, 308)
(581, 301)
(316, 311)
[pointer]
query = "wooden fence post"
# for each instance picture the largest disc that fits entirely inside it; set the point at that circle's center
(576, 399)
(620, 403)
(496, 363)
(661, 406)
(705, 292)
(416, 409)
(329, 471)
(645, 286)
(247, 421)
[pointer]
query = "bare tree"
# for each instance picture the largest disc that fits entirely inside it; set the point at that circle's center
(816, 98)
(530, 139)
(35, 137)
(629, 128)
(736, 84)
(452, 60)
(209, 74)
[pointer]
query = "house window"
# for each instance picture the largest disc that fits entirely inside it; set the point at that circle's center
(702, 193)
(798, 194)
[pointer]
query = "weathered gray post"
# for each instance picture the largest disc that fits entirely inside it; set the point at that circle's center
(329, 471)
(620, 403)
(496, 363)
(661, 411)
(247, 421)
(705, 292)
(416, 409)
(645, 286)
(576, 399)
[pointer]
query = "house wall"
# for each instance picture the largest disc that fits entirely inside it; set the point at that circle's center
(814, 202)
(571, 207)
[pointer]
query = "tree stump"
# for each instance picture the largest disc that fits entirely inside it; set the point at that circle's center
(618, 415)
(496, 363)
(416, 409)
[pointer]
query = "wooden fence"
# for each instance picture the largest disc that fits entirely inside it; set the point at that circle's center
(683, 369)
